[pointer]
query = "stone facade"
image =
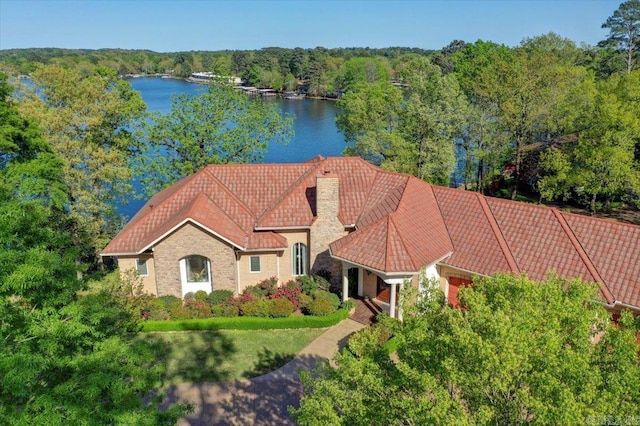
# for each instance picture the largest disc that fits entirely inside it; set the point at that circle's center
(326, 228)
(190, 240)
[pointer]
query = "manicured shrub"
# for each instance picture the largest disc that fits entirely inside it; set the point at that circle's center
(225, 310)
(332, 298)
(237, 301)
(322, 281)
(280, 308)
(263, 288)
(304, 301)
(307, 283)
(289, 292)
(189, 296)
(179, 312)
(255, 308)
(201, 296)
(197, 309)
(157, 311)
(246, 323)
(168, 301)
(217, 297)
(321, 307)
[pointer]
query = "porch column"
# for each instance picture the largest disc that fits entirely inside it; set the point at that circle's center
(392, 303)
(360, 282)
(345, 282)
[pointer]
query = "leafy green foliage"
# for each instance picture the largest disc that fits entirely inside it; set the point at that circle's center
(219, 126)
(321, 307)
(87, 117)
(600, 165)
(519, 352)
(413, 134)
(62, 358)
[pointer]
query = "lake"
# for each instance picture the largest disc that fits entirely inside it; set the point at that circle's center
(314, 124)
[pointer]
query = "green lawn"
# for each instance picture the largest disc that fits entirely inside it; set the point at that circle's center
(211, 356)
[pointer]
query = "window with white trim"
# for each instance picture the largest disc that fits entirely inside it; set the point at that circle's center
(299, 259)
(195, 274)
(141, 267)
(197, 269)
(255, 264)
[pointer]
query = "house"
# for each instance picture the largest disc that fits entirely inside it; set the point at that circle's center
(230, 226)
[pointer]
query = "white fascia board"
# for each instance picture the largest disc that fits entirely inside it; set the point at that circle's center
(120, 254)
(281, 228)
(377, 271)
(466, 271)
(195, 222)
(262, 250)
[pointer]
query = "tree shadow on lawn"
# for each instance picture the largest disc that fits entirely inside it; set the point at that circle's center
(262, 400)
(268, 361)
(191, 356)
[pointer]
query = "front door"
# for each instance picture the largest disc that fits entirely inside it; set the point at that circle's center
(384, 291)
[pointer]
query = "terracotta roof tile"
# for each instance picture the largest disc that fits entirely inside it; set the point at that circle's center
(537, 240)
(266, 240)
(614, 249)
(475, 243)
(404, 223)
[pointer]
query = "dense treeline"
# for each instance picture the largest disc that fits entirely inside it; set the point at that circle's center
(272, 67)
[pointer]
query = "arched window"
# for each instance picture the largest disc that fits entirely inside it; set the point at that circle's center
(195, 272)
(299, 258)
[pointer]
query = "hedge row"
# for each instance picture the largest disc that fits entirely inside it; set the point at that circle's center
(246, 323)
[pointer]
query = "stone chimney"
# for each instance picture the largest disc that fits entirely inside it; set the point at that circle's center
(327, 195)
(326, 228)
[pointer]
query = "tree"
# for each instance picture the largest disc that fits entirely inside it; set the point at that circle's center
(519, 352)
(432, 119)
(600, 165)
(361, 70)
(64, 358)
(413, 135)
(88, 120)
(624, 31)
(220, 126)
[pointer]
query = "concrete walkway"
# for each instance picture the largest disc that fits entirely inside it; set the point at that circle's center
(262, 400)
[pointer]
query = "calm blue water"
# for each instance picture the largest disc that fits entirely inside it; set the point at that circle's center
(314, 125)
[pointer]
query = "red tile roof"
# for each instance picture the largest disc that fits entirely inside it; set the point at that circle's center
(404, 224)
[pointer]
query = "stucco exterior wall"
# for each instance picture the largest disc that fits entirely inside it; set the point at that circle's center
(190, 240)
(286, 262)
(369, 284)
(127, 265)
(269, 265)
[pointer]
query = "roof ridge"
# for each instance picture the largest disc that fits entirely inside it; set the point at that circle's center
(583, 255)
(402, 241)
(434, 191)
(379, 175)
(202, 194)
(502, 242)
(287, 192)
(234, 196)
